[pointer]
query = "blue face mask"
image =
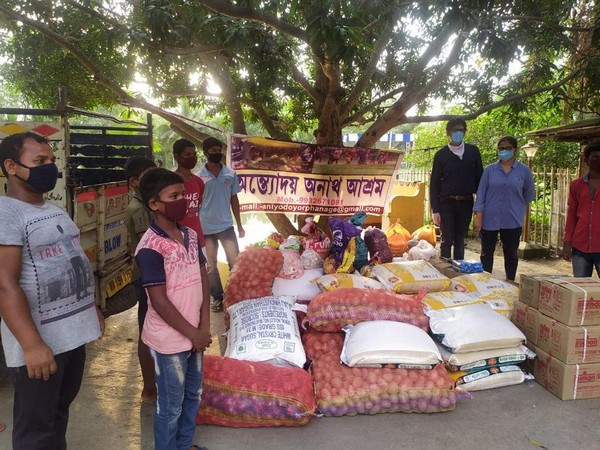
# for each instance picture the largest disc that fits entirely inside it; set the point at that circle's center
(505, 155)
(457, 136)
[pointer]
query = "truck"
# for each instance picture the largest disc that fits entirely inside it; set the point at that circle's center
(92, 188)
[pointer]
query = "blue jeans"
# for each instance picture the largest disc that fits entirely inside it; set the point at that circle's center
(584, 263)
(228, 240)
(179, 385)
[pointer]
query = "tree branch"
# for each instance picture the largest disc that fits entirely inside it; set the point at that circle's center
(92, 12)
(541, 20)
(365, 78)
(122, 97)
(273, 131)
(191, 51)
(487, 108)
(299, 78)
(227, 9)
(364, 110)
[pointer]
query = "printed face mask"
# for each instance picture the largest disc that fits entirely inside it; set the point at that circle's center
(215, 157)
(189, 162)
(505, 155)
(176, 209)
(41, 178)
(457, 136)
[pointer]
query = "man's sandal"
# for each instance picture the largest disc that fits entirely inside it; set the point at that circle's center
(198, 447)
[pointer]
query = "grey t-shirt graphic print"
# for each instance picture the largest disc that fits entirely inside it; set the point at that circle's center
(55, 275)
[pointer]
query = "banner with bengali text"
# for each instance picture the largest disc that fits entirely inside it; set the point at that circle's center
(294, 177)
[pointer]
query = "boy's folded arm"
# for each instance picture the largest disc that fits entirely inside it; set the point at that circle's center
(205, 308)
(167, 311)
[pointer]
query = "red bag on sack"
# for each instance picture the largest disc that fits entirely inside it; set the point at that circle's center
(316, 343)
(253, 275)
(254, 394)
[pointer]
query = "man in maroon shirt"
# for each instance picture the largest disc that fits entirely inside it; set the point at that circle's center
(582, 230)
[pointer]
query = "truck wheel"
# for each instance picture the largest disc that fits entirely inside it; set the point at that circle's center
(121, 301)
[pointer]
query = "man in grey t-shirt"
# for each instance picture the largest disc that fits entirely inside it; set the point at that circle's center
(46, 296)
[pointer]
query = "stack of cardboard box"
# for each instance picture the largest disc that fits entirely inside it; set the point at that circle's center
(560, 316)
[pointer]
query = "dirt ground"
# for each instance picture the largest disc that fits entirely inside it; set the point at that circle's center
(108, 413)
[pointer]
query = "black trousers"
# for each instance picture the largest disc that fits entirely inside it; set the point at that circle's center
(510, 238)
(455, 216)
(41, 409)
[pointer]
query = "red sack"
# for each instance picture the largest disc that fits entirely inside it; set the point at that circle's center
(316, 344)
(253, 275)
(333, 310)
(254, 394)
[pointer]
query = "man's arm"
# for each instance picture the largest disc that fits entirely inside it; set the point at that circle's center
(572, 206)
(235, 208)
(15, 312)
(204, 325)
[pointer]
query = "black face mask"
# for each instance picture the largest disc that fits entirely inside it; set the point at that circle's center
(41, 178)
(215, 157)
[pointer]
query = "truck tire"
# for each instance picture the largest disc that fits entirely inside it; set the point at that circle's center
(121, 301)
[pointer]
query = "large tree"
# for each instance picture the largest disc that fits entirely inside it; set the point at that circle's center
(318, 65)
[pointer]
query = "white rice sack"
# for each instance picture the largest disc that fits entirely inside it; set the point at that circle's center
(410, 277)
(489, 289)
(303, 288)
(483, 359)
(265, 329)
(422, 251)
(333, 281)
(489, 378)
(380, 343)
(448, 299)
(472, 328)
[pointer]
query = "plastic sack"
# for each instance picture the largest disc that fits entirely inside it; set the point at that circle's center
(303, 288)
(254, 394)
(265, 329)
(398, 237)
(472, 328)
(311, 259)
(347, 391)
(499, 294)
(378, 246)
(252, 275)
(380, 343)
(330, 282)
(332, 311)
(347, 265)
(341, 232)
(483, 359)
(422, 251)
(410, 277)
(292, 265)
(427, 233)
(450, 299)
(291, 243)
(467, 266)
(493, 377)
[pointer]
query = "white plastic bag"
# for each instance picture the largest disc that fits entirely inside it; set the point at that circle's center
(491, 378)
(472, 328)
(311, 259)
(303, 288)
(265, 329)
(379, 343)
(422, 251)
(483, 359)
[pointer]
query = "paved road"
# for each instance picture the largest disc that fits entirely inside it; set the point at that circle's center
(108, 415)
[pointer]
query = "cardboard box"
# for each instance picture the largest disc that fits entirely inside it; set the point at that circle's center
(572, 301)
(529, 286)
(567, 381)
(526, 318)
(571, 345)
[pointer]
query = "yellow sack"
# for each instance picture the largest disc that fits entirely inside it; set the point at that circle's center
(427, 233)
(409, 277)
(328, 283)
(347, 264)
(500, 295)
(398, 237)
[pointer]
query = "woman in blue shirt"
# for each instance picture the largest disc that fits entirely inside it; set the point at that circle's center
(505, 189)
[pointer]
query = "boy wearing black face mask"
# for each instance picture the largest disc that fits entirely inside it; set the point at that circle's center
(582, 229)
(184, 153)
(177, 324)
(221, 186)
(47, 299)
